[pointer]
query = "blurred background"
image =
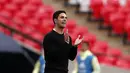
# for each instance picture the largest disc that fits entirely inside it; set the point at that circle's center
(105, 24)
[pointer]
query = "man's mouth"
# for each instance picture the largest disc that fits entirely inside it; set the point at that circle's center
(63, 22)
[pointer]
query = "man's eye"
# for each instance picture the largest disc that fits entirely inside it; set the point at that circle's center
(62, 17)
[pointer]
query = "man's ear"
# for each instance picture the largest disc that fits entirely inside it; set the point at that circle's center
(55, 20)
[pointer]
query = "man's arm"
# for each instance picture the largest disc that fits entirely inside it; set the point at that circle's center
(73, 51)
(96, 66)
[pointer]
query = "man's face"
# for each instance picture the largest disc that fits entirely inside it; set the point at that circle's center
(61, 20)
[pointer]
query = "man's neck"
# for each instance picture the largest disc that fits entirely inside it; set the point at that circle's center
(58, 30)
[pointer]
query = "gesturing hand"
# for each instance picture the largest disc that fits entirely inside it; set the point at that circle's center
(78, 40)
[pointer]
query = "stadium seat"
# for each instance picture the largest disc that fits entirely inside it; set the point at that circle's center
(117, 22)
(96, 6)
(1, 29)
(71, 25)
(100, 47)
(126, 57)
(32, 44)
(91, 39)
(7, 31)
(3, 2)
(81, 31)
(127, 29)
(128, 3)
(18, 37)
(109, 60)
(29, 9)
(18, 20)
(121, 63)
(11, 8)
(19, 2)
(32, 22)
(18, 27)
(106, 12)
(100, 57)
(44, 12)
(3, 20)
(114, 52)
(114, 3)
(46, 26)
(28, 30)
(6, 14)
(124, 10)
(37, 35)
(36, 2)
(1, 7)
(22, 15)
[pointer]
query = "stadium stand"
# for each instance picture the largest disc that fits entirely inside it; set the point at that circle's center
(32, 20)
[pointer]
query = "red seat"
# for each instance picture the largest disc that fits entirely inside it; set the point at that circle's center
(19, 2)
(128, 3)
(11, 8)
(37, 35)
(106, 12)
(27, 30)
(96, 6)
(30, 9)
(90, 38)
(4, 20)
(71, 25)
(100, 47)
(81, 31)
(3, 2)
(109, 60)
(2, 29)
(126, 57)
(124, 10)
(114, 52)
(114, 3)
(45, 12)
(100, 57)
(18, 37)
(46, 26)
(123, 64)
(117, 20)
(7, 31)
(6, 14)
(127, 27)
(1, 7)
(32, 44)
(22, 15)
(32, 22)
(18, 20)
(18, 27)
(36, 2)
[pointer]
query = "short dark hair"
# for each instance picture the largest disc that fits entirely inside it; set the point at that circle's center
(57, 13)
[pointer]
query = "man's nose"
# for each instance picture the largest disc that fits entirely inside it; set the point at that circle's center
(65, 19)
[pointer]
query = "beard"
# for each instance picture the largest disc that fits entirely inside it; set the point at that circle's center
(62, 25)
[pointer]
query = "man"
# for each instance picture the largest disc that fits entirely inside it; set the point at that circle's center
(58, 48)
(86, 62)
(39, 66)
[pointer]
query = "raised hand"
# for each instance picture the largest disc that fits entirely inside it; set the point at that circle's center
(78, 40)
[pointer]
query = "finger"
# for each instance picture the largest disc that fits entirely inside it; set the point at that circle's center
(79, 36)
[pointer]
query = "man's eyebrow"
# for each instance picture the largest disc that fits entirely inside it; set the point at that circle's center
(64, 16)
